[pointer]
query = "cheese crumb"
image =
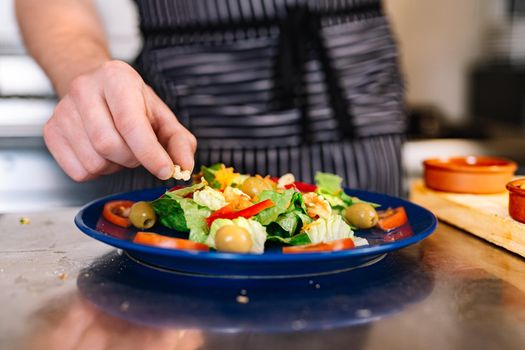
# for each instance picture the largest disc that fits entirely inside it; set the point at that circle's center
(179, 174)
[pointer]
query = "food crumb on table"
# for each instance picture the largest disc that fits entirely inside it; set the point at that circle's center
(24, 220)
(243, 299)
(124, 306)
(363, 313)
(62, 276)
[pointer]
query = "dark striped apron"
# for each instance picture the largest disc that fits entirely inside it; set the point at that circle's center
(277, 86)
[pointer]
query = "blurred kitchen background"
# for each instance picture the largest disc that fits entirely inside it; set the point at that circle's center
(464, 65)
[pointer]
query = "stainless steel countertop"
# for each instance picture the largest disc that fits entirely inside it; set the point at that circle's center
(451, 291)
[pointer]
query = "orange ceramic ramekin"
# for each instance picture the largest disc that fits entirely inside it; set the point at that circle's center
(517, 199)
(470, 174)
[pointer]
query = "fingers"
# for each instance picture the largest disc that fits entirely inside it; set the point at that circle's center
(177, 140)
(64, 155)
(126, 103)
(97, 122)
(82, 146)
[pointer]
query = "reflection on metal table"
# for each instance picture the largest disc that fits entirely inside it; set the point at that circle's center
(61, 289)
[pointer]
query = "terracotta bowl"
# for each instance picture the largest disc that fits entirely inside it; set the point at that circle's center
(470, 174)
(517, 199)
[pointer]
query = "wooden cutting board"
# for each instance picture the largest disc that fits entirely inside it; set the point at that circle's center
(485, 216)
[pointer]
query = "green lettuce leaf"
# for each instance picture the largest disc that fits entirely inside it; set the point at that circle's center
(196, 220)
(182, 192)
(357, 200)
(291, 223)
(328, 183)
(209, 174)
(170, 214)
(183, 214)
(281, 200)
(326, 230)
(297, 203)
(299, 239)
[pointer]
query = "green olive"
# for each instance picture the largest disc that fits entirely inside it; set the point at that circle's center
(142, 215)
(234, 239)
(361, 215)
(253, 186)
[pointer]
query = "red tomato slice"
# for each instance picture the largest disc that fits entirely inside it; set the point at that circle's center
(391, 218)
(245, 213)
(154, 239)
(342, 244)
(117, 212)
(332, 246)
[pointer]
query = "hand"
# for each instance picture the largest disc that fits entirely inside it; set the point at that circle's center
(73, 323)
(111, 119)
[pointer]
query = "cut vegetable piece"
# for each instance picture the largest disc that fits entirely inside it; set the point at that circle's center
(117, 212)
(302, 186)
(170, 214)
(332, 246)
(184, 191)
(392, 218)
(154, 239)
(227, 209)
(330, 183)
(326, 230)
(245, 213)
(282, 202)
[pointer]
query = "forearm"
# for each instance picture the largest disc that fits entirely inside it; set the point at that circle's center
(65, 37)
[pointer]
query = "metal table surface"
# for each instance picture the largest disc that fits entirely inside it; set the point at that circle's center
(60, 289)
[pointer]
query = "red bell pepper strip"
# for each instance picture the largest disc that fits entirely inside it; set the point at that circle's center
(302, 186)
(228, 213)
(227, 209)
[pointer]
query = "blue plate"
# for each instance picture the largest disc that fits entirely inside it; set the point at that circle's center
(271, 264)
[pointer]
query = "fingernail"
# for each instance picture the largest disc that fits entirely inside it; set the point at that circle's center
(165, 173)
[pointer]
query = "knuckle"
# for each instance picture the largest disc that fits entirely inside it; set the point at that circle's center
(60, 110)
(95, 165)
(79, 176)
(193, 141)
(124, 127)
(105, 144)
(116, 68)
(48, 131)
(78, 86)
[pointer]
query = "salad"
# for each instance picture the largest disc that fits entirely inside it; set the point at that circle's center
(240, 213)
